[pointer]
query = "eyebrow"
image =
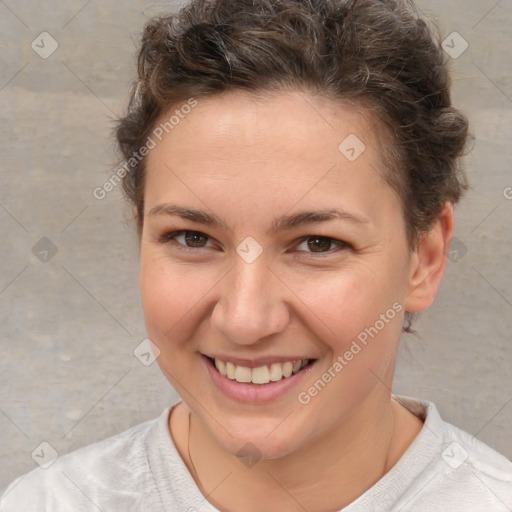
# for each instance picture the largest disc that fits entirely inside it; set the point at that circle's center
(285, 222)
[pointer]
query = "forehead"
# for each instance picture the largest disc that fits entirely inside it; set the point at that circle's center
(238, 120)
(265, 149)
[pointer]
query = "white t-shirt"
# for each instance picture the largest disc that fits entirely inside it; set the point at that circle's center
(445, 469)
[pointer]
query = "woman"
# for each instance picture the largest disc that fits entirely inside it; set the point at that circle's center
(292, 167)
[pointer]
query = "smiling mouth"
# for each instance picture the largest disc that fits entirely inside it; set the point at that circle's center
(261, 375)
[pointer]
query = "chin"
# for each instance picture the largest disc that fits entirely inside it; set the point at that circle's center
(251, 452)
(254, 447)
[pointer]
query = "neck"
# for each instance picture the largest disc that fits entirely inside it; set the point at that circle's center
(325, 475)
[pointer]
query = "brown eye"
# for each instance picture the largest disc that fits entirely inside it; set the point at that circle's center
(322, 245)
(319, 244)
(193, 238)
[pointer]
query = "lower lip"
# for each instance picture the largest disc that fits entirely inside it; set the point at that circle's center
(255, 393)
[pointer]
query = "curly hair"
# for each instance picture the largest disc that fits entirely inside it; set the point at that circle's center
(379, 53)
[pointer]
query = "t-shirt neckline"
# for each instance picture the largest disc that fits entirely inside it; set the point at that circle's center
(177, 486)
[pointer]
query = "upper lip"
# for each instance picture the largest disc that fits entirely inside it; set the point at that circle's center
(255, 362)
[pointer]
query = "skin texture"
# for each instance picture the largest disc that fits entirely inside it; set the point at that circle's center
(249, 160)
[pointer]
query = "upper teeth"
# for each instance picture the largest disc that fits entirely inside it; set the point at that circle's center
(262, 374)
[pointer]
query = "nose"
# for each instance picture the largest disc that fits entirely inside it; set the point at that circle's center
(251, 305)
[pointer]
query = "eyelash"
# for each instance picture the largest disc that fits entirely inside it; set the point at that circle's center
(167, 238)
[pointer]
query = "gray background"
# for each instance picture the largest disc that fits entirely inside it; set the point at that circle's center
(69, 321)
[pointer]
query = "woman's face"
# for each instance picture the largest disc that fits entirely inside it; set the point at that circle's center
(266, 283)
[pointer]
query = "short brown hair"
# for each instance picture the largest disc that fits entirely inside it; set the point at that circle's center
(379, 53)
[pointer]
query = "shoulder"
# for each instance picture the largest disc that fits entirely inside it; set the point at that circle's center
(461, 472)
(114, 471)
(476, 469)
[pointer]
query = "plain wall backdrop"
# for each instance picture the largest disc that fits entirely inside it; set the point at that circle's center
(70, 314)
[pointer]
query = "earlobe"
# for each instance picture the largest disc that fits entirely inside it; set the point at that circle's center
(428, 262)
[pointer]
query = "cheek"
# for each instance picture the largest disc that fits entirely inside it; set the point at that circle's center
(349, 301)
(364, 319)
(168, 294)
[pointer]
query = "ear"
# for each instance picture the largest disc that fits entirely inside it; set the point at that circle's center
(428, 262)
